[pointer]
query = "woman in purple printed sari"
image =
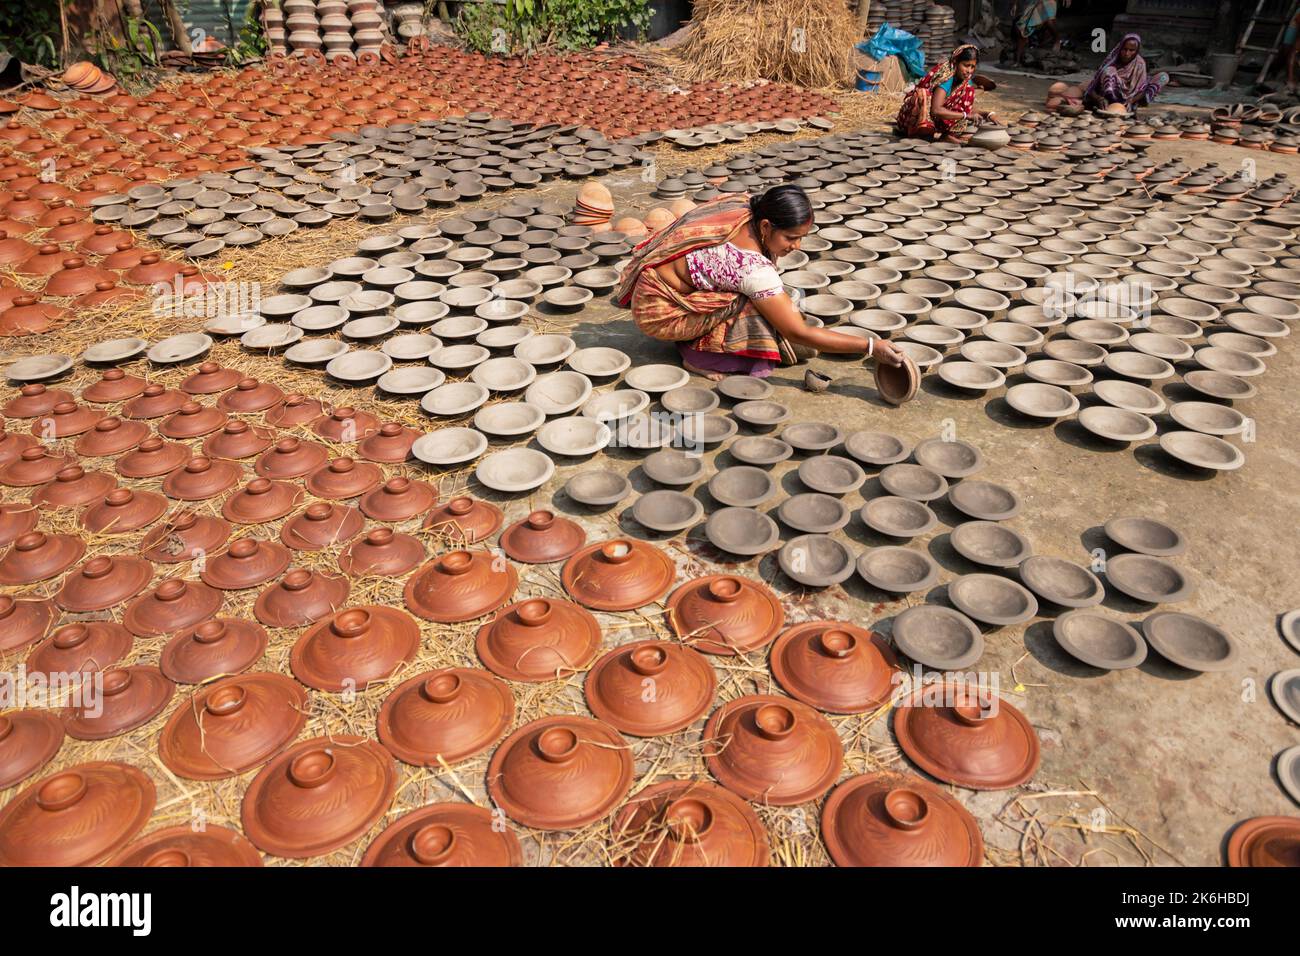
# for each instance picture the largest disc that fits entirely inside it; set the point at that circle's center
(1122, 81)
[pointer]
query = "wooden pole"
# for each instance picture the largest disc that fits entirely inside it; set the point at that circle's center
(864, 10)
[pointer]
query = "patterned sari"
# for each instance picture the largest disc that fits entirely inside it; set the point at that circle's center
(916, 117)
(1128, 84)
(724, 322)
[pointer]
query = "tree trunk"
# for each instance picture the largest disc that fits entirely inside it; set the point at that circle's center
(864, 11)
(179, 36)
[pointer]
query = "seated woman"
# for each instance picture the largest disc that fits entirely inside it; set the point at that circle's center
(941, 104)
(1120, 83)
(709, 283)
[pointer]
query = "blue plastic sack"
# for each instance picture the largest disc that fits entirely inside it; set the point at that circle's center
(891, 41)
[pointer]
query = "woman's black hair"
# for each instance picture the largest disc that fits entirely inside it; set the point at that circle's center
(785, 206)
(965, 56)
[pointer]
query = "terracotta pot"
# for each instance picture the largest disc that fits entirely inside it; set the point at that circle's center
(445, 716)
(262, 500)
(445, 834)
(154, 402)
(894, 819)
(181, 846)
(301, 597)
(65, 420)
(618, 575)
(210, 379)
(73, 487)
(291, 458)
(76, 817)
(246, 563)
(962, 736)
(211, 648)
(688, 823)
(464, 520)
(383, 553)
(37, 556)
(539, 639)
(192, 420)
(16, 519)
(86, 647)
(318, 796)
(250, 395)
(542, 538)
(294, 410)
(103, 582)
(238, 440)
(398, 499)
(233, 725)
(390, 443)
(185, 537)
(725, 614)
(344, 478)
(29, 739)
(772, 749)
(682, 681)
(172, 606)
(345, 425)
(34, 400)
(560, 773)
(322, 525)
(354, 647)
(113, 386)
(152, 458)
(23, 622)
(123, 510)
(460, 586)
(835, 667)
(131, 697)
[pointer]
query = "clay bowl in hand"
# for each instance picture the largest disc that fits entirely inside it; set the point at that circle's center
(898, 570)
(1098, 640)
(992, 600)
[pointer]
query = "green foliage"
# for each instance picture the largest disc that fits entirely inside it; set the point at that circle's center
(31, 31)
(252, 41)
(525, 25)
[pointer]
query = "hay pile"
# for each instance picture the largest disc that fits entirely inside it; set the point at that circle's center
(805, 42)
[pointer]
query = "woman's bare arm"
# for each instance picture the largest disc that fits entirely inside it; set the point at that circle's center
(779, 310)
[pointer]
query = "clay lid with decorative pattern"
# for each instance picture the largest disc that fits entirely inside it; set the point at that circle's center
(618, 575)
(725, 614)
(104, 581)
(29, 739)
(649, 688)
(353, 647)
(688, 823)
(130, 698)
(835, 667)
(446, 715)
(182, 846)
(218, 646)
(464, 520)
(445, 834)
(301, 597)
(460, 586)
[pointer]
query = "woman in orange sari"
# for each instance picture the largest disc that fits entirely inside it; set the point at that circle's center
(709, 283)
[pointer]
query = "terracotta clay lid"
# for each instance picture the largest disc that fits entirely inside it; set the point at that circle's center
(154, 402)
(725, 614)
(65, 420)
(13, 444)
(185, 536)
(210, 379)
(23, 622)
(291, 458)
(451, 714)
(202, 478)
(688, 823)
(294, 410)
(345, 425)
(238, 440)
(895, 819)
(246, 563)
(181, 846)
(172, 606)
(37, 556)
(682, 681)
(464, 520)
(233, 725)
(1265, 841)
(772, 750)
(29, 739)
(445, 834)
(82, 647)
(460, 586)
(192, 420)
(262, 500)
(123, 510)
(542, 538)
(398, 499)
(16, 519)
(103, 582)
(73, 487)
(318, 796)
(130, 698)
(111, 436)
(354, 647)
(250, 395)
(560, 773)
(152, 458)
(618, 575)
(539, 639)
(390, 444)
(76, 817)
(34, 400)
(218, 646)
(323, 524)
(966, 737)
(344, 478)
(383, 552)
(113, 386)
(301, 597)
(835, 667)
(34, 466)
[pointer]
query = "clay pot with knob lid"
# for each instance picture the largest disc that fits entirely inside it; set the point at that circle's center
(16, 519)
(201, 478)
(113, 386)
(390, 443)
(291, 458)
(246, 563)
(464, 520)
(130, 698)
(65, 420)
(539, 639)
(238, 440)
(210, 379)
(322, 525)
(542, 538)
(725, 614)
(398, 499)
(212, 647)
(37, 556)
(29, 739)
(171, 606)
(344, 478)
(250, 395)
(301, 597)
(345, 425)
(445, 834)
(34, 466)
(835, 667)
(34, 400)
(353, 647)
(446, 715)
(192, 420)
(383, 552)
(296, 409)
(73, 487)
(618, 575)
(688, 823)
(155, 401)
(683, 681)
(186, 536)
(460, 586)
(123, 510)
(82, 647)
(103, 582)
(181, 846)
(262, 500)
(153, 458)
(111, 436)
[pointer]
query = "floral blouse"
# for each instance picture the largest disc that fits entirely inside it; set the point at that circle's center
(728, 268)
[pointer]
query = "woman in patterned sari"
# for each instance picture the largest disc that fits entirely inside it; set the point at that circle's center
(942, 103)
(709, 283)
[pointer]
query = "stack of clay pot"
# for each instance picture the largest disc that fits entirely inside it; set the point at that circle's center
(367, 26)
(303, 25)
(877, 15)
(273, 29)
(336, 28)
(936, 32)
(409, 20)
(595, 206)
(85, 77)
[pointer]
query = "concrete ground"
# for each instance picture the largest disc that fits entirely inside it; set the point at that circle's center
(1165, 760)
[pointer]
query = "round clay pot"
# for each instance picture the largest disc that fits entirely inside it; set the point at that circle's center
(291, 458)
(211, 648)
(23, 622)
(542, 538)
(321, 525)
(1190, 641)
(772, 749)
(354, 647)
(1098, 640)
(618, 575)
(445, 834)
(539, 639)
(73, 487)
(445, 716)
(111, 436)
(398, 499)
(894, 819)
(464, 520)
(834, 667)
(688, 823)
(261, 500)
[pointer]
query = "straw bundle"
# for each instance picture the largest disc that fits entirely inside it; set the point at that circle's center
(806, 42)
